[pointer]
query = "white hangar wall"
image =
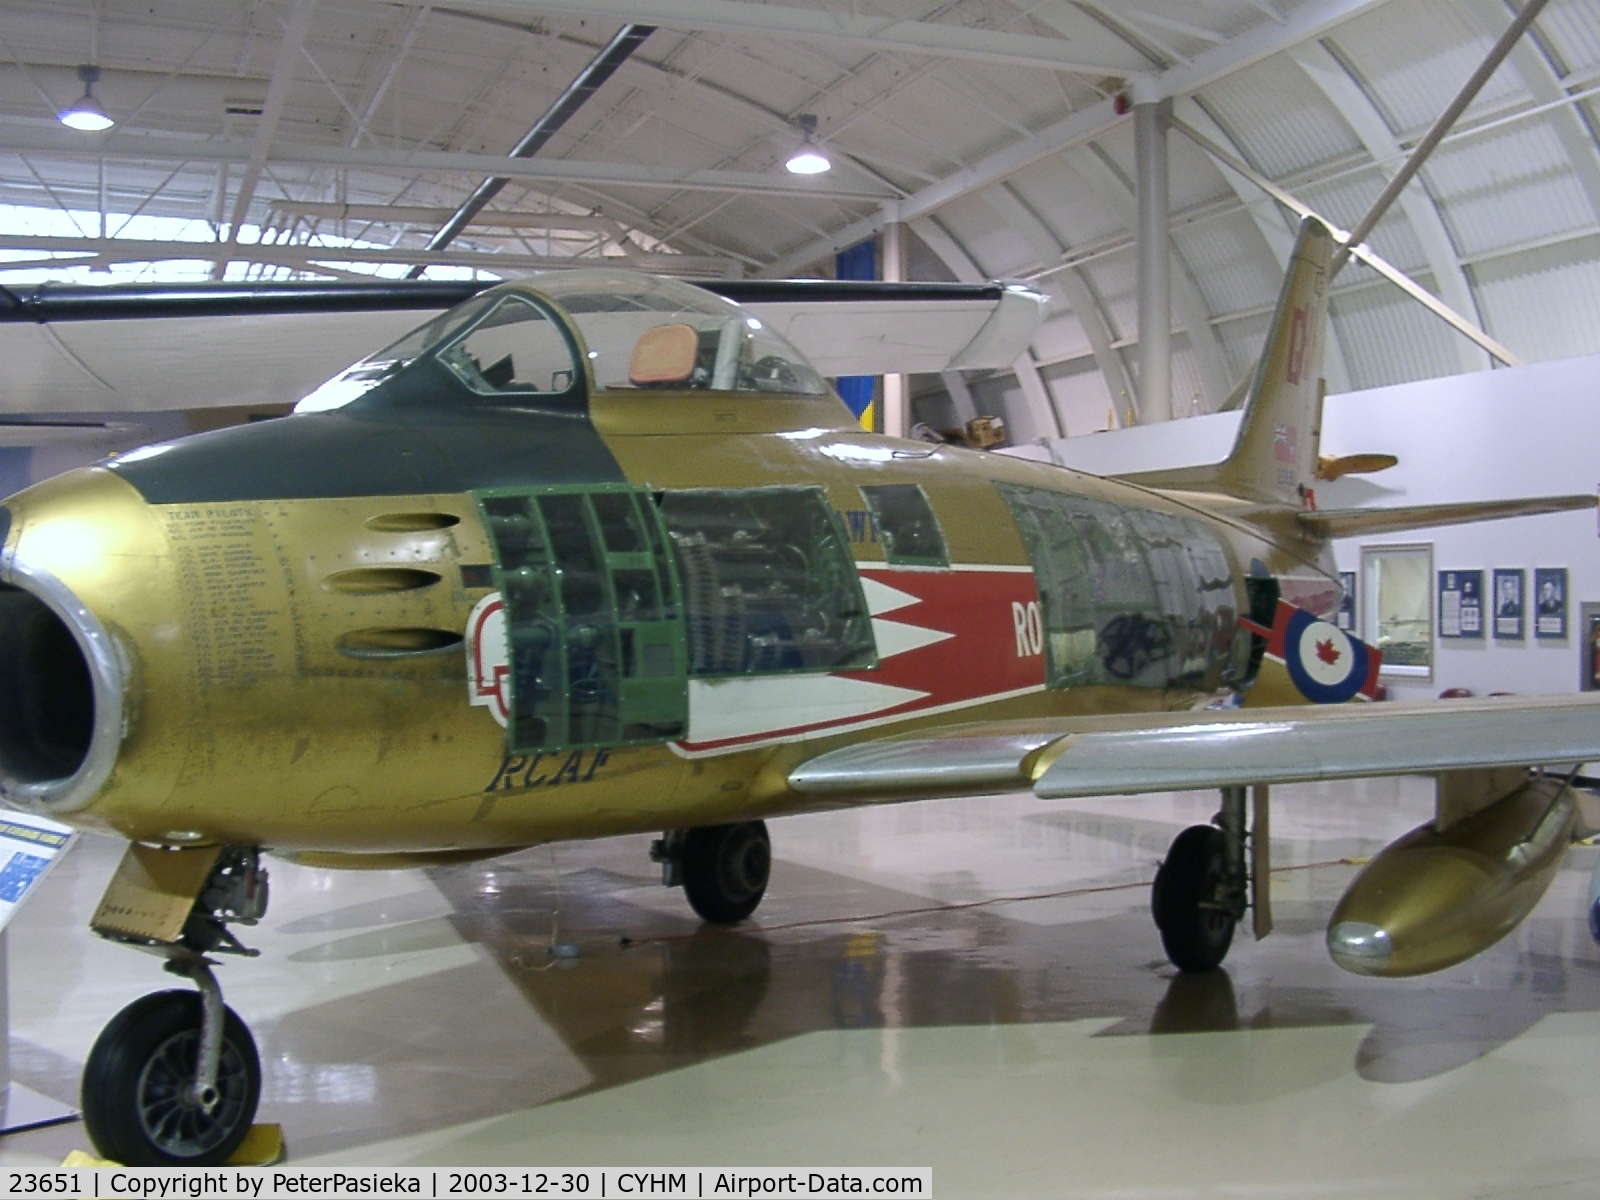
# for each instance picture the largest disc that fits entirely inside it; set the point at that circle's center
(1491, 435)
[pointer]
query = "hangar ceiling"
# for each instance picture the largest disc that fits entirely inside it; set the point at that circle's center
(260, 138)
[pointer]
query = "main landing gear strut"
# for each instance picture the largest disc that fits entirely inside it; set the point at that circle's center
(174, 1079)
(723, 869)
(1211, 875)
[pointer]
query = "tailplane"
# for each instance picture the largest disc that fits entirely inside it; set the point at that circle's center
(1274, 457)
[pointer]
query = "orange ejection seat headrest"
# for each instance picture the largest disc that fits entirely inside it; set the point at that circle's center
(664, 355)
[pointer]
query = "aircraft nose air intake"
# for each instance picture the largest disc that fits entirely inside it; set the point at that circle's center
(61, 693)
(1359, 947)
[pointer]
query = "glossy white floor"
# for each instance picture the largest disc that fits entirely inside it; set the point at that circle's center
(892, 1005)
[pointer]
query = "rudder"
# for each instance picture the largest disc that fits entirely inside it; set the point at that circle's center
(1274, 456)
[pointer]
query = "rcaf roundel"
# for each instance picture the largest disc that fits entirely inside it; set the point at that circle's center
(1325, 663)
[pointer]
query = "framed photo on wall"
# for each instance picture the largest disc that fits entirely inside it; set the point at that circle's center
(1461, 604)
(1347, 602)
(1396, 607)
(1510, 587)
(1591, 648)
(1550, 602)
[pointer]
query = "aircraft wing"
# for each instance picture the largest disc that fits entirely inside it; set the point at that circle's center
(1158, 752)
(150, 348)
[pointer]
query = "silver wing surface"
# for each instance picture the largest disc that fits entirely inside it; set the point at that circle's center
(1159, 752)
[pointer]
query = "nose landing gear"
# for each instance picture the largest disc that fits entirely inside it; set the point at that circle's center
(174, 1079)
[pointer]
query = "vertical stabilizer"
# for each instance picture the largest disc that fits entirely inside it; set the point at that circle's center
(1274, 457)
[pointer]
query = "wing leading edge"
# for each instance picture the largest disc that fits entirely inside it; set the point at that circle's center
(1159, 752)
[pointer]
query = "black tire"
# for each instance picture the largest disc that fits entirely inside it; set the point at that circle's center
(134, 1103)
(725, 869)
(1189, 884)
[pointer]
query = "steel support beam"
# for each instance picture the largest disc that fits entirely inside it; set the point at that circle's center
(1441, 126)
(160, 148)
(1310, 20)
(820, 24)
(1528, 59)
(402, 214)
(1369, 125)
(896, 392)
(1184, 293)
(1361, 253)
(1268, 219)
(294, 37)
(1038, 406)
(961, 401)
(1075, 290)
(578, 93)
(299, 256)
(1041, 408)
(1155, 285)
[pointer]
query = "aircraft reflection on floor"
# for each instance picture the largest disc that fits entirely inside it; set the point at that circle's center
(390, 1017)
(673, 994)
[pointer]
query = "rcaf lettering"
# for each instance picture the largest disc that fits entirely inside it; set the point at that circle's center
(543, 769)
(1029, 626)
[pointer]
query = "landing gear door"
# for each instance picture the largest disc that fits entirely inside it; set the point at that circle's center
(594, 627)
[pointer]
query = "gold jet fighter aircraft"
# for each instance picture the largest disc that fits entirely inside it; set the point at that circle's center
(606, 555)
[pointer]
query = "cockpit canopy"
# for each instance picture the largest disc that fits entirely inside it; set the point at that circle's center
(637, 331)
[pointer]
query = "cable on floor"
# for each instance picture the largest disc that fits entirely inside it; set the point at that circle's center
(938, 908)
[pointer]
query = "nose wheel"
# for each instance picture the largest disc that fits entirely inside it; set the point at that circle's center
(174, 1079)
(149, 1099)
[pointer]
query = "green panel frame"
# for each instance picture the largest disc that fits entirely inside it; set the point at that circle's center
(888, 504)
(594, 617)
(825, 556)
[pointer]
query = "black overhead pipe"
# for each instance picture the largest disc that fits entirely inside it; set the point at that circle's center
(588, 82)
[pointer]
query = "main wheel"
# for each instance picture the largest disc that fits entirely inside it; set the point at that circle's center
(725, 869)
(1188, 900)
(138, 1101)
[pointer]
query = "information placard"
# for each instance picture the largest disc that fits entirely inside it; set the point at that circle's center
(29, 847)
(1461, 604)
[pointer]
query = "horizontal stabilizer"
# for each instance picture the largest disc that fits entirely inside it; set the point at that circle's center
(1329, 469)
(1367, 522)
(1155, 752)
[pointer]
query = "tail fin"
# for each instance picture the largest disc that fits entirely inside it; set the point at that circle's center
(1274, 457)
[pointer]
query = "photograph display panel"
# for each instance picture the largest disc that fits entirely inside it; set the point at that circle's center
(1550, 602)
(1461, 604)
(1510, 589)
(1591, 648)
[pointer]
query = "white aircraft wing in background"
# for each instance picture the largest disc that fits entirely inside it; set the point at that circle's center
(132, 348)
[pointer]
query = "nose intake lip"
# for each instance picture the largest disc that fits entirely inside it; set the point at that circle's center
(61, 693)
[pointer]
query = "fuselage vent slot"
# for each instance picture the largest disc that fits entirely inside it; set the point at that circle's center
(368, 581)
(398, 643)
(412, 522)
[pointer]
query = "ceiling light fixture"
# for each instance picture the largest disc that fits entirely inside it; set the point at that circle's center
(807, 159)
(85, 113)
